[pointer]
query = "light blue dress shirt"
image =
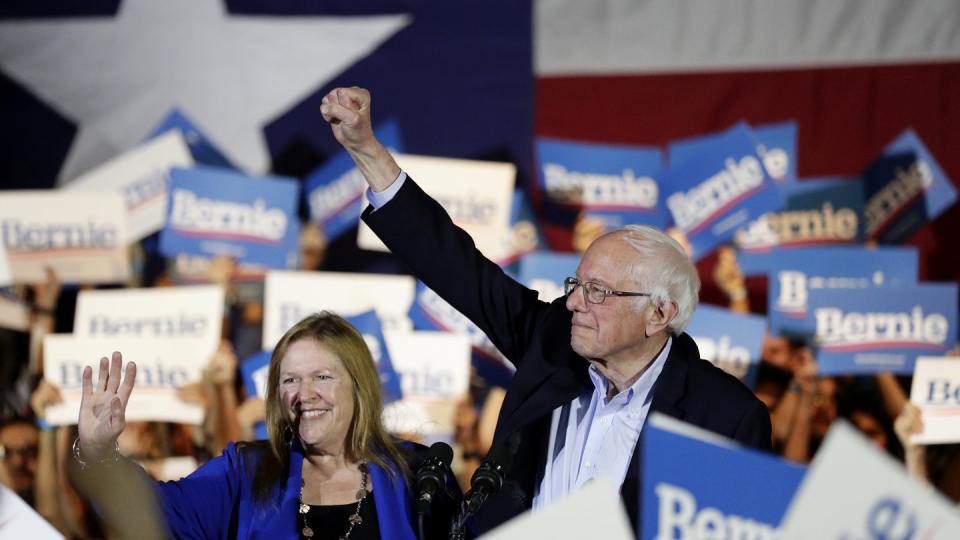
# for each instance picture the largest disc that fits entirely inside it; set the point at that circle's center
(594, 436)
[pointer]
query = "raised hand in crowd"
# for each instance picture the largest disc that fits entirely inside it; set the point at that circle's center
(585, 231)
(220, 377)
(909, 422)
(103, 407)
(251, 411)
(730, 280)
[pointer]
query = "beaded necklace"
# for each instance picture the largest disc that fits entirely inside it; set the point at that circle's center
(353, 520)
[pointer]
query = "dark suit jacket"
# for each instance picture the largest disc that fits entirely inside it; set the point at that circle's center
(535, 336)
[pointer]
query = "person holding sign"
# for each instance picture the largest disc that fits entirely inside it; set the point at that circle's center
(328, 470)
(590, 365)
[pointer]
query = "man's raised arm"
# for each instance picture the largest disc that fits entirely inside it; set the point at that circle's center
(348, 112)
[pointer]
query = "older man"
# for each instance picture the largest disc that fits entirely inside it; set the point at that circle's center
(590, 366)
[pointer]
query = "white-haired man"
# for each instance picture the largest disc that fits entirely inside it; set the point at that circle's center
(591, 365)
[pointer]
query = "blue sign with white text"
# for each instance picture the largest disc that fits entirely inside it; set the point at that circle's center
(904, 189)
(369, 326)
(335, 190)
(795, 273)
(217, 212)
(731, 341)
(867, 331)
(203, 151)
(829, 214)
(694, 482)
(254, 370)
(616, 183)
(718, 189)
(544, 272)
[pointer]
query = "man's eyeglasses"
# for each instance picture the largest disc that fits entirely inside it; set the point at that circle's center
(592, 292)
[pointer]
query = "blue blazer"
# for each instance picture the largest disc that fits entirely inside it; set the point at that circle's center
(535, 336)
(216, 501)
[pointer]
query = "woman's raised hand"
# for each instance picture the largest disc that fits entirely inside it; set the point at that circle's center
(103, 406)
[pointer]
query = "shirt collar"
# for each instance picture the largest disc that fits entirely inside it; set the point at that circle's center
(643, 383)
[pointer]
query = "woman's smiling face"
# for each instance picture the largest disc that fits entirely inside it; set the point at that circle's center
(317, 395)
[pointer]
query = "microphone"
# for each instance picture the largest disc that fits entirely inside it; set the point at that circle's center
(489, 476)
(431, 475)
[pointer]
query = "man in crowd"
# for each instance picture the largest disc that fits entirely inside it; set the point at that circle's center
(590, 365)
(19, 441)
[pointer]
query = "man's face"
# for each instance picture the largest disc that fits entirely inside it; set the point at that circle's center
(616, 328)
(20, 454)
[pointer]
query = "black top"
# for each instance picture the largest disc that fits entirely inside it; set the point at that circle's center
(331, 522)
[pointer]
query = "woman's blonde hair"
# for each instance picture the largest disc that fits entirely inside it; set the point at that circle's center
(367, 438)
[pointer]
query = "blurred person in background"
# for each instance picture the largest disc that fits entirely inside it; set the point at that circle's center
(19, 445)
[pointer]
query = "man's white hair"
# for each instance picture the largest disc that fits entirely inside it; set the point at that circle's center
(665, 271)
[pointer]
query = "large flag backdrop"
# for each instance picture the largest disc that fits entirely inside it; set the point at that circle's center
(477, 79)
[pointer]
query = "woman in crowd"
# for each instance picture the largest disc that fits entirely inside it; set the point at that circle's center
(329, 469)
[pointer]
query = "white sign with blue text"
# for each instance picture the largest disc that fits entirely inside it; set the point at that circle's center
(163, 366)
(936, 391)
(476, 194)
(796, 272)
(697, 485)
(219, 212)
(866, 331)
(432, 313)
(731, 341)
(434, 370)
(81, 236)
(290, 296)
(718, 189)
(190, 315)
(141, 176)
(854, 490)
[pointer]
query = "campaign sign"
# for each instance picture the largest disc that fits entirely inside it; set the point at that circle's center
(141, 176)
(544, 272)
(255, 370)
(722, 187)
(290, 296)
(869, 330)
(828, 215)
(936, 391)
(434, 370)
(796, 272)
(163, 366)
(476, 194)
(368, 324)
(904, 189)
(592, 511)
(6, 278)
(190, 315)
(81, 236)
(524, 235)
(615, 183)
(19, 520)
(776, 144)
(432, 313)
(731, 341)
(854, 490)
(334, 191)
(696, 484)
(218, 212)
(201, 148)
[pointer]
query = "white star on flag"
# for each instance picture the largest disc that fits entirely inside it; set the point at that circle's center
(117, 78)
